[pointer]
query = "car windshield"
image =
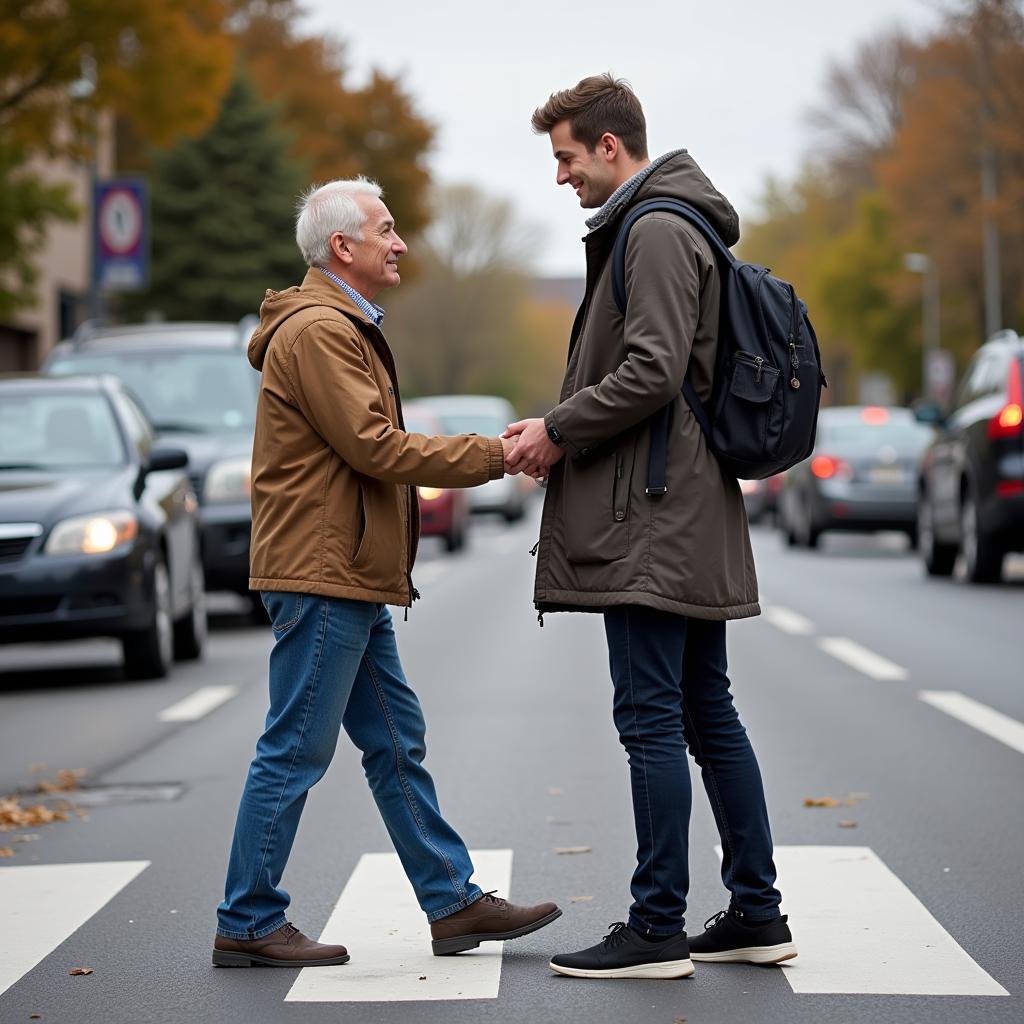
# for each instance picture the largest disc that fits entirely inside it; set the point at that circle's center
(486, 423)
(203, 392)
(57, 431)
(906, 435)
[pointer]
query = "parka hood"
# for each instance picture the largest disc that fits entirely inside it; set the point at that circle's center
(675, 175)
(315, 290)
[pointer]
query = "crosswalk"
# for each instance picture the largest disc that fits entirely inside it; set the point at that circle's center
(859, 928)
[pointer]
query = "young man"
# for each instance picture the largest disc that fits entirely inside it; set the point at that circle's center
(667, 571)
(334, 535)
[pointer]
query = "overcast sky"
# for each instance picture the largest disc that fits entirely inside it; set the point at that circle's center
(730, 81)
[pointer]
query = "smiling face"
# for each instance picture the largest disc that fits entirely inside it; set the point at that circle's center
(371, 264)
(592, 174)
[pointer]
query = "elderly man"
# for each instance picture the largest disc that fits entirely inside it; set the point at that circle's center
(335, 530)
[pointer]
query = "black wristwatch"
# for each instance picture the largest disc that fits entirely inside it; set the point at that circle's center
(556, 437)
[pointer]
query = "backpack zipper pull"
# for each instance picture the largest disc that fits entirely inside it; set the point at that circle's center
(759, 363)
(533, 550)
(794, 361)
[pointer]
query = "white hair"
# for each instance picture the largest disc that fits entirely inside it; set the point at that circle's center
(327, 209)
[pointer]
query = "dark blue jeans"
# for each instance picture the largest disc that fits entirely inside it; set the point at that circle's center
(335, 663)
(672, 692)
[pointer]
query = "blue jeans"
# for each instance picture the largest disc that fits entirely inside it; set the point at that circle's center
(335, 662)
(672, 691)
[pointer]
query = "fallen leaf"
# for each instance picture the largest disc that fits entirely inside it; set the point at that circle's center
(679, 1020)
(13, 815)
(581, 899)
(573, 849)
(847, 824)
(66, 780)
(423, 977)
(554, 791)
(76, 971)
(35, 1016)
(820, 801)
(6, 851)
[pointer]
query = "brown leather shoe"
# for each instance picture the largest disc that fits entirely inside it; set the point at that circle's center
(489, 919)
(287, 947)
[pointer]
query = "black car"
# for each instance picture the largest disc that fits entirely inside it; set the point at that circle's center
(971, 489)
(195, 382)
(861, 475)
(99, 533)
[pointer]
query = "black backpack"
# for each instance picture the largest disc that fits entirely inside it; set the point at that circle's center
(767, 381)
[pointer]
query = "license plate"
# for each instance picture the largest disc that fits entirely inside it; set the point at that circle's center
(886, 475)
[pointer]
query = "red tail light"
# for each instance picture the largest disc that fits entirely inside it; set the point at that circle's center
(824, 467)
(1007, 422)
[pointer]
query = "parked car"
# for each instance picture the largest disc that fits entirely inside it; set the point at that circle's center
(444, 511)
(861, 475)
(971, 487)
(761, 497)
(99, 527)
(195, 382)
(487, 415)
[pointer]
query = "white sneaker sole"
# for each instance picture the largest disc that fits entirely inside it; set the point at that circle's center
(749, 955)
(668, 969)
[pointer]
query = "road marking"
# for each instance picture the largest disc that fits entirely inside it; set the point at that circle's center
(387, 934)
(788, 621)
(983, 718)
(198, 704)
(859, 929)
(862, 659)
(44, 904)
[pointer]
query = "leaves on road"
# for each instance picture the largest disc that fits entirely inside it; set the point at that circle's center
(13, 815)
(573, 849)
(851, 800)
(6, 851)
(79, 971)
(554, 791)
(66, 781)
(581, 899)
(847, 824)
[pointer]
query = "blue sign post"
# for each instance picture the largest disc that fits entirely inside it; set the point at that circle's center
(120, 235)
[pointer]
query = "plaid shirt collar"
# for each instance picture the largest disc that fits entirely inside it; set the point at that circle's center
(370, 310)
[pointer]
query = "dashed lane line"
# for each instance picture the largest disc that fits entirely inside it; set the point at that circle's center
(863, 660)
(197, 705)
(41, 905)
(860, 930)
(787, 620)
(378, 916)
(977, 715)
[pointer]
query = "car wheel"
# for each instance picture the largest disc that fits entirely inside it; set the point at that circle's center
(983, 557)
(515, 513)
(190, 630)
(149, 653)
(938, 558)
(808, 535)
(455, 539)
(785, 528)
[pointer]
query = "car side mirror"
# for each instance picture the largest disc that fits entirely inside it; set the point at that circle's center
(161, 459)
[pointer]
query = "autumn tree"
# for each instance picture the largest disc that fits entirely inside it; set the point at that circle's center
(337, 131)
(223, 216)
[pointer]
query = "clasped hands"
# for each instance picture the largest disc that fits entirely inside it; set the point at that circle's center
(528, 449)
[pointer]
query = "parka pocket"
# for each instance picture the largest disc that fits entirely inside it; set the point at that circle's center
(364, 530)
(596, 504)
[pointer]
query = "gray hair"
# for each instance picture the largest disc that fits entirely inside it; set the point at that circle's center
(327, 209)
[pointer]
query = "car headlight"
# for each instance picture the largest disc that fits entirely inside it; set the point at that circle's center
(92, 535)
(228, 481)
(430, 493)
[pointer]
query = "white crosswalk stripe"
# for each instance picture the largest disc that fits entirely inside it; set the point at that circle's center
(859, 929)
(787, 620)
(863, 660)
(378, 918)
(42, 904)
(199, 704)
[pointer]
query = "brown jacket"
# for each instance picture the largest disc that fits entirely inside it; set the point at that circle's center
(332, 509)
(603, 540)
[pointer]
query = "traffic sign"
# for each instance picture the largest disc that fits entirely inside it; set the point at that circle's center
(121, 234)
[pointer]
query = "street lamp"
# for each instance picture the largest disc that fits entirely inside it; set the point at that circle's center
(921, 263)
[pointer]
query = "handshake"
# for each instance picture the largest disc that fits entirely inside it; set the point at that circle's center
(529, 450)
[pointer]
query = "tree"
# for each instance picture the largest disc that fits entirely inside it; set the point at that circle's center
(337, 131)
(223, 209)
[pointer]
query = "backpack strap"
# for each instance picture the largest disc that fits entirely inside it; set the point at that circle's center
(657, 464)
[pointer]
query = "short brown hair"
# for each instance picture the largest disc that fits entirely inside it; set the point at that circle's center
(597, 105)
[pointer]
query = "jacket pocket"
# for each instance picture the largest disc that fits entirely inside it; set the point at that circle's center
(596, 505)
(364, 530)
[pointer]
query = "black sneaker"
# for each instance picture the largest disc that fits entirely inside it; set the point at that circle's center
(624, 954)
(729, 939)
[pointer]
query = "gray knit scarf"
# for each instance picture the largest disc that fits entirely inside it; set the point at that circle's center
(625, 192)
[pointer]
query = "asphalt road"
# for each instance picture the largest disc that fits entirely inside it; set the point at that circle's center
(908, 912)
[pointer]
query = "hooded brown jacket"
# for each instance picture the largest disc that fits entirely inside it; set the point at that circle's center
(333, 511)
(604, 541)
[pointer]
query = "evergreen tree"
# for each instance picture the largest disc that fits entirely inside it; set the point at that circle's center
(223, 216)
